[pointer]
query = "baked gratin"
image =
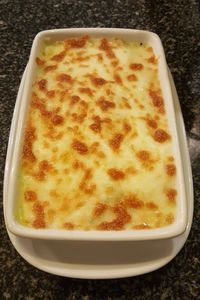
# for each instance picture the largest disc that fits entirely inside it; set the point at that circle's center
(97, 151)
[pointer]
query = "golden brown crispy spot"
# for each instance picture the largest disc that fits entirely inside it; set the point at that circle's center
(127, 127)
(79, 118)
(99, 209)
(152, 59)
(100, 154)
(109, 92)
(42, 84)
(94, 146)
(151, 205)
(68, 225)
(96, 125)
(77, 42)
(146, 159)
(105, 46)
(64, 78)
(50, 68)
(54, 193)
(171, 170)
(57, 119)
(117, 79)
(39, 61)
(54, 135)
(44, 168)
(87, 91)
(94, 150)
(80, 147)
(50, 94)
(38, 210)
(39, 104)
(143, 155)
(150, 49)
(74, 129)
(79, 204)
(77, 165)
(161, 136)
(131, 201)
(29, 139)
(126, 104)
(74, 99)
(116, 174)
(98, 81)
(104, 104)
(81, 58)
(30, 196)
(132, 77)
(115, 62)
(122, 218)
(141, 226)
(131, 170)
(99, 57)
(106, 120)
(44, 165)
(63, 95)
(157, 99)
(59, 57)
(52, 116)
(116, 141)
(84, 104)
(171, 195)
(136, 67)
(151, 123)
(84, 184)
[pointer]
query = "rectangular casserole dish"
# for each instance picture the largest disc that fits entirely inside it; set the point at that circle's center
(16, 142)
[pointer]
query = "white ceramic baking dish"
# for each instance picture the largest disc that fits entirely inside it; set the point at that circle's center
(16, 137)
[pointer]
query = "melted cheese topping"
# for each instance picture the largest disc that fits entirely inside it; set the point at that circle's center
(97, 150)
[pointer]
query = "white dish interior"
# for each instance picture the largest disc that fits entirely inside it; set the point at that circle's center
(17, 132)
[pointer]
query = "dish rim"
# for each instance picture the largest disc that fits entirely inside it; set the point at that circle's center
(118, 271)
(173, 230)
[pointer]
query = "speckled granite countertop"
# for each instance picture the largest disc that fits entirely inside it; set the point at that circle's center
(178, 24)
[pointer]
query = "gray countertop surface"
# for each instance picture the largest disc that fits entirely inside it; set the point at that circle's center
(178, 25)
